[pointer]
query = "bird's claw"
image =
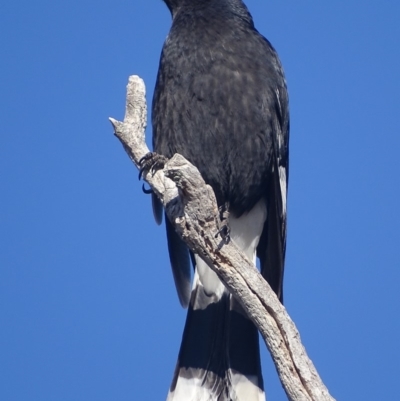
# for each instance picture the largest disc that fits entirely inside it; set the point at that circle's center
(224, 229)
(146, 191)
(152, 162)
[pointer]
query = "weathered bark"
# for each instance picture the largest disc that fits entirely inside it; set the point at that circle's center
(191, 205)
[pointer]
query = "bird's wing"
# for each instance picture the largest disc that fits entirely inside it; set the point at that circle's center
(178, 255)
(272, 245)
(157, 209)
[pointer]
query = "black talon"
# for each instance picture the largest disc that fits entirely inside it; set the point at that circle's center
(224, 230)
(141, 173)
(145, 157)
(146, 191)
(151, 161)
(143, 163)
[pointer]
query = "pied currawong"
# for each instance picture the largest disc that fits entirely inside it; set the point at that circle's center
(221, 101)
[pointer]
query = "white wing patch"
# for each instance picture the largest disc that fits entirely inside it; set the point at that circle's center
(208, 279)
(282, 169)
(247, 229)
(245, 387)
(245, 232)
(191, 389)
(282, 182)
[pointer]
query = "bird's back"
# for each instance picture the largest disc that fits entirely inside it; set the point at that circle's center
(218, 88)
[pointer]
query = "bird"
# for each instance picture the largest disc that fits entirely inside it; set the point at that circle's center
(221, 101)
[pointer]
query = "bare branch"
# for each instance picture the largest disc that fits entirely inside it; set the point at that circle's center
(191, 205)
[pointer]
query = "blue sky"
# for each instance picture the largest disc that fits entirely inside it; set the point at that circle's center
(88, 310)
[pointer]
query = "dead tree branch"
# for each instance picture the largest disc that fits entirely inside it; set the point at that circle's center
(191, 205)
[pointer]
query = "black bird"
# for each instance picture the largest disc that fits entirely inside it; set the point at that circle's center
(221, 101)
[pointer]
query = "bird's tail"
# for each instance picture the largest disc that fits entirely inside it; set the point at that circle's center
(219, 357)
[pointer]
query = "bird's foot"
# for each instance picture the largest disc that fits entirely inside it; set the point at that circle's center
(151, 162)
(224, 230)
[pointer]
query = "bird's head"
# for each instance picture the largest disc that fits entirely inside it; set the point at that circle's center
(236, 7)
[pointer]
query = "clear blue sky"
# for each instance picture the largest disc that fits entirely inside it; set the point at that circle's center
(88, 310)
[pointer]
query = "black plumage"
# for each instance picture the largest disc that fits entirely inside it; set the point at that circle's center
(221, 101)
